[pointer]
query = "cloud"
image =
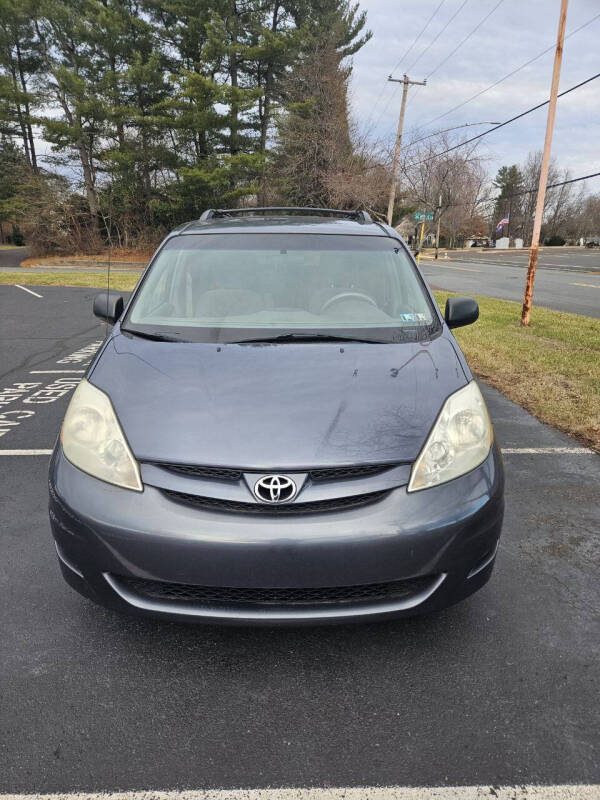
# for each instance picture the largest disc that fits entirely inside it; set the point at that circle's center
(516, 32)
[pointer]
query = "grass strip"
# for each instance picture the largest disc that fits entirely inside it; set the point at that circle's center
(96, 280)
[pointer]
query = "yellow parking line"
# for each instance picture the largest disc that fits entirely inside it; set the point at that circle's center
(587, 285)
(462, 269)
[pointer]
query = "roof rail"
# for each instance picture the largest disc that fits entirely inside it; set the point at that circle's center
(359, 216)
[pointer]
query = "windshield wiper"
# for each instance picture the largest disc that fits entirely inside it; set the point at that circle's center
(154, 335)
(308, 337)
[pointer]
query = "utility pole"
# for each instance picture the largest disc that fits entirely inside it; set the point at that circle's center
(437, 232)
(420, 242)
(405, 84)
(541, 196)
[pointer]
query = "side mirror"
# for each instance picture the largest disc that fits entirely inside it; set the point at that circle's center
(108, 306)
(460, 311)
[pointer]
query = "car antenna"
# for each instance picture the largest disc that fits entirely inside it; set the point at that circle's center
(108, 274)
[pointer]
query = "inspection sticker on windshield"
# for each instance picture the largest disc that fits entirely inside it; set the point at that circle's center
(413, 317)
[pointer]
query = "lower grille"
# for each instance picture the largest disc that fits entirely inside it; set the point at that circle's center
(211, 595)
(320, 506)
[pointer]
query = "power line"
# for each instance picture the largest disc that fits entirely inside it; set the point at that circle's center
(564, 183)
(492, 85)
(508, 75)
(460, 44)
(434, 40)
(370, 117)
(524, 191)
(446, 130)
(421, 32)
(502, 124)
(521, 193)
(397, 64)
(467, 37)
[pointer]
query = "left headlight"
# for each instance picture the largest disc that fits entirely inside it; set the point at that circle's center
(93, 441)
(459, 441)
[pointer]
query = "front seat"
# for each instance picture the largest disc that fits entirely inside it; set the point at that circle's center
(229, 303)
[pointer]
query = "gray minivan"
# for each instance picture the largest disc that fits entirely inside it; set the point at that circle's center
(279, 428)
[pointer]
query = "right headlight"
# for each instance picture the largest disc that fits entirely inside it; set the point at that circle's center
(459, 441)
(93, 441)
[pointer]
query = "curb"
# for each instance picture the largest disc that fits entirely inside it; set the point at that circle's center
(78, 265)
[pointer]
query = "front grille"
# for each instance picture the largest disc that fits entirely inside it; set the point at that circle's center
(342, 473)
(319, 506)
(212, 473)
(305, 596)
(317, 475)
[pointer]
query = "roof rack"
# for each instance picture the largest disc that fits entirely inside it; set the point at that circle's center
(358, 216)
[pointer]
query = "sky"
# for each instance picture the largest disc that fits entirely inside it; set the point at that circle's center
(515, 32)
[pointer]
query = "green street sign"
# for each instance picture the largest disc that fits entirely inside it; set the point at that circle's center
(421, 215)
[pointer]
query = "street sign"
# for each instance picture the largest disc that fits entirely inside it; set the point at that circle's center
(421, 215)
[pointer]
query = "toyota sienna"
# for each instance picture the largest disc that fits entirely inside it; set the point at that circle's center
(279, 428)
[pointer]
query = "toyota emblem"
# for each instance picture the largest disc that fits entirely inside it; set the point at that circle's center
(275, 489)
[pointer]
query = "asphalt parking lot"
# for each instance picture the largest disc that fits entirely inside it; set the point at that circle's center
(567, 279)
(499, 690)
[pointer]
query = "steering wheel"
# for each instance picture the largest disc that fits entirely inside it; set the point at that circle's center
(347, 296)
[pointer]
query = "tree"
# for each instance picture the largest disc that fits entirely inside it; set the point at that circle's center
(19, 61)
(563, 205)
(14, 172)
(458, 178)
(590, 217)
(70, 81)
(315, 149)
(509, 182)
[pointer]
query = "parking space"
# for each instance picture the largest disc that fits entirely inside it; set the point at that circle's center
(48, 340)
(499, 690)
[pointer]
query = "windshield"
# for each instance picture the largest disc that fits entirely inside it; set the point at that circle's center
(231, 287)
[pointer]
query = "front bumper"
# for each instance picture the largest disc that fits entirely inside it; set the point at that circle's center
(106, 536)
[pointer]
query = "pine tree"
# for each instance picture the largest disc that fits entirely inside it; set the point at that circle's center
(166, 107)
(315, 147)
(509, 182)
(19, 61)
(15, 171)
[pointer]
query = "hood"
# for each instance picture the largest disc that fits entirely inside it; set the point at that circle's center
(285, 406)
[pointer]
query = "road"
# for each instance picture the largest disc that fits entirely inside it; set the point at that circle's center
(580, 259)
(11, 257)
(501, 690)
(567, 280)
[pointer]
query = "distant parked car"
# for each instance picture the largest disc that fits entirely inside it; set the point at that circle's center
(592, 243)
(477, 241)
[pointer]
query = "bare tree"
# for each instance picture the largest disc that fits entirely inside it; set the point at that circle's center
(590, 217)
(458, 177)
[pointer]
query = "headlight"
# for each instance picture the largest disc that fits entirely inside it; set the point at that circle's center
(92, 439)
(459, 441)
